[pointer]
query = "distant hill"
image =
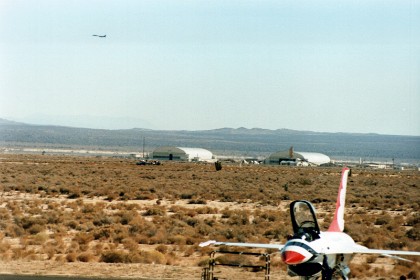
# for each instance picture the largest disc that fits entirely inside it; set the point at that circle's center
(228, 141)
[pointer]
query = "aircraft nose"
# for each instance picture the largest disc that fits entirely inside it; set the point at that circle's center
(292, 257)
(296, 253)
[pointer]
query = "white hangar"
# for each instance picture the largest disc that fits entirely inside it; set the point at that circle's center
(182, 154)
(291, 157)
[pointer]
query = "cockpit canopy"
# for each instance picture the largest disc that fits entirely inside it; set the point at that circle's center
(304, 220)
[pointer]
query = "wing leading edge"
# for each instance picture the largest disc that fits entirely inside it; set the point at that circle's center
(249, 245)
(387, 253)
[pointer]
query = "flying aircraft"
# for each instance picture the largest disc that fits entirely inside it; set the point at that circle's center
(311, 253)
(101, 36)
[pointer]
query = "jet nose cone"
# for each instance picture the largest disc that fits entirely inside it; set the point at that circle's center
(292, 257)
(296, 252)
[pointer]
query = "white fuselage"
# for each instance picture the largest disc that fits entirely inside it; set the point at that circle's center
(329, 244)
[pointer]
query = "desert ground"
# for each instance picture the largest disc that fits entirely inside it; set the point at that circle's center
(108, 217)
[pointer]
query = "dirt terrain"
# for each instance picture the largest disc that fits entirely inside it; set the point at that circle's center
(108, 217)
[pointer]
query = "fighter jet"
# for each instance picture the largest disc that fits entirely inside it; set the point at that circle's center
(101, 36)
(311, 253)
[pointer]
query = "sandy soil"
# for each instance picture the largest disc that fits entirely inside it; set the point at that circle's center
(31, 186)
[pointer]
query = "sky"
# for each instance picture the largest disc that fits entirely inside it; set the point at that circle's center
(324, 66)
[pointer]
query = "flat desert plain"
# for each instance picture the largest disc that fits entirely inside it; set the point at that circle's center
(108, 217)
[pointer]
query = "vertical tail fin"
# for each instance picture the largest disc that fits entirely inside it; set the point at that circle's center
(338, 221)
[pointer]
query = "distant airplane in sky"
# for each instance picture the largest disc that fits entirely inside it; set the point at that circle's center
(101, 36)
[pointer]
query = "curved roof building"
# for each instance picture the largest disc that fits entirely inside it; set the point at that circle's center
(181, 153)
(291, 156)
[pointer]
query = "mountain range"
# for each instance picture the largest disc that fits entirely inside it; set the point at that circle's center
(242, 141)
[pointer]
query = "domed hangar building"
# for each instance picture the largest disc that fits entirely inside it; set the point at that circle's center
(291, 157)
(182, 154)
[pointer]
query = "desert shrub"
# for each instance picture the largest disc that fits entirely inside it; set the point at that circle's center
(73, 247)
(71, 257)
(28, 222)
(190, 240)
(130, 244)
(15, 208)
(370, 182)
(395, 245)
(210, 222)
(139, 225)
(413, 275)
(64, 190)
(197, 201)
(102, 233)
(206, 210)
(74, 193)
(226, 197)
(53, 218)
(36, 228)
(4, 246)
(57, 244)
(204, 229)
(4, 214)
(186, 196)
(383, 220)
(89, 208)
(204, 262)
(270, 216)
(413, 220)
(85, 225)
(119, 233)
(72, 224)
(127, 216)
(40, 238)
(162, 248)
(102, 219)
(14, 231)
(239, 218)
(50, 251)
(83, 239)
(190, 250)
(177, 239)
(305, 181)
(21, 253)
(414, 233)
(85, 257)
(60, 258)
(232, 259)
(143, 196)
(274, 232)
(151, 257)
(155, 211)
(193, 222)
(226, 213)
(115, 257)
(371, 259)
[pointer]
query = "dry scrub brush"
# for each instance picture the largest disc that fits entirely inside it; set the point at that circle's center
(111, 210)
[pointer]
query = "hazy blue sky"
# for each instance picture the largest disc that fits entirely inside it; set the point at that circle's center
(333, 66)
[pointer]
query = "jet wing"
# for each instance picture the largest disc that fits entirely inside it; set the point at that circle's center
(387, 253)
(236, 244)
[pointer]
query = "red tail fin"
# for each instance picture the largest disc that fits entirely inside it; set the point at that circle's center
(338, 221)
